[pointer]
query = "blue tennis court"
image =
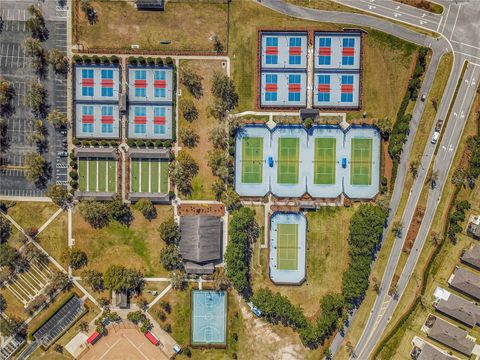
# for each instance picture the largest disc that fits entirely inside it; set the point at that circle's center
(209, 317)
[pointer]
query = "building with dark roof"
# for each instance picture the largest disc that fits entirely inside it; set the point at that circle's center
(459, 309)
(465, 281)
(150, 5)
(200, 243)
(472, 256)
(449, 335)
(423, 350)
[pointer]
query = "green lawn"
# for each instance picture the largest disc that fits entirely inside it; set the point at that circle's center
(92, 174)
(54, 239)
(149, 175)
(102, 175)
(188, 25)
(144, 167)
(137, 246)
(112, 175)
(32, 214)
(82, 174)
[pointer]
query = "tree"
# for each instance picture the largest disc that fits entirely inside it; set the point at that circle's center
(177, 279)
(61, 280)
(57, 118)
(95, 213)
(217, 44)
(7, 93)
(218, 188)
(119, 211)
(9, 327)
(231, 199)
(243, 230)
(192, 81)
(218, 109)
(188, 137)
(169, 231)
(221, 281)
(94, 279)
(37, 170)
(142, 303)
(89, 11)
(83, 326)
(182, 170)
(38, 57)
(58, 60)
(414, 168)
(145, 206)
(59, 195)
(458, 177)
(171, 258)
(5, 229)
(58, 348)
(36, 24)
(397, 228)
(385, 127)
(119, 278)
(4, 138)
(3, 304)
(37, 98)
(223, 88)
(188, 109)
(218, 137)
(77, 259)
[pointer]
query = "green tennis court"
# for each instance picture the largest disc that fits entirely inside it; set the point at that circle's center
(97, 174)
(288, 154)
(252, 160)
(149, 175)
(287, 246)
(361, 163)
(324, 161)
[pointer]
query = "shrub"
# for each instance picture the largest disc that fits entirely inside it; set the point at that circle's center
(169, 60)
(159, 61)
(104, 60)
(150, 61)
(114, 59)
(141, 60)
(76, 142)
(132, 60)
(77, 59)
(73, 175)
(95, 59)
(86, 59)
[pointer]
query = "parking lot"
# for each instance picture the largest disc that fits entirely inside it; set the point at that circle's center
(15, 67)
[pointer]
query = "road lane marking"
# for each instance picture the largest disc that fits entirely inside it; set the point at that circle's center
(455, 23)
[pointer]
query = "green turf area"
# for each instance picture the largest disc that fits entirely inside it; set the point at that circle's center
(324, 161)
(112, 175)
(102, 175)
(92, 174)
(154, 168)
(288, 154)
(287, 246)
(164, 176)
(135, 173)
(361, 163)
(145, 175)
(82, 175)
(252, 160)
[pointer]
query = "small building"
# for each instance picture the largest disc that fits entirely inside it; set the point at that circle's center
(472, 256)
(150, 5)
(456, 307)
(465, 281)
(120, 299)
(449, 335)
(423, 350)
(201, 243)
(152, 338)
(474, 226)
(92, 339)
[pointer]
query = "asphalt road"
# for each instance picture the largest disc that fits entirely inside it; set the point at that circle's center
(15, 67)
(449, 25)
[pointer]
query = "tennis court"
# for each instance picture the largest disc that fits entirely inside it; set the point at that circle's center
(324, 161)
(149, 175)
(209, 317)
(288, 154)
(96, 174)
(287, 246)
(252, 160)
(361, 162)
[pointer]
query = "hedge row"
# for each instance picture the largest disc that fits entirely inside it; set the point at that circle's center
(140, 60)
(103, 142)
(85, 59)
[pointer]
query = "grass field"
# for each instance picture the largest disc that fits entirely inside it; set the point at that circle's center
(383, 86)
(54, 239)
(252, 160)
(324, 161)
(327, 259)
(361, 163)
(287, 246)
(202, 182)
(32, 214)
(137, 246)
(97, 174)
(149, 175)
(288, 157)
(187, 25)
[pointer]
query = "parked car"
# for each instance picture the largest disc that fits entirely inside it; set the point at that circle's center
(62, 153)
(424, 96)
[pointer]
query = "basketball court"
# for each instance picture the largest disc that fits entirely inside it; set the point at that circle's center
(209, 317)
(123, 342)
